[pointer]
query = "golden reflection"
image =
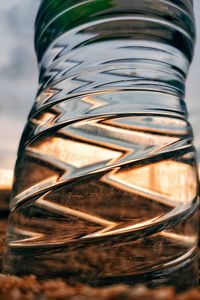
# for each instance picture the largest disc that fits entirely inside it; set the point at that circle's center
(100, 128)
(95, 102)
(29, 236)
(168, 182)
(100, 145)
(66, 211)
(44, 118)
(46, 95)
(75, 153)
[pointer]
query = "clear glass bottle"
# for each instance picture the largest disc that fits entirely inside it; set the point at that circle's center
(106, 180)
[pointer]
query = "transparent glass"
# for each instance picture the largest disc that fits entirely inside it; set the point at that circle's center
(106, 177)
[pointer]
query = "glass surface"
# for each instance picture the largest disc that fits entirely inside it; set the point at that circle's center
(19, 73)
(106, 169)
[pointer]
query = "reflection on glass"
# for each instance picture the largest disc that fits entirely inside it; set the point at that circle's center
(106, 184)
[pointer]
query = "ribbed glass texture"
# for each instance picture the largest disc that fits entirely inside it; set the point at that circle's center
(105, 182)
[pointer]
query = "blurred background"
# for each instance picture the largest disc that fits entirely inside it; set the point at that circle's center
(18, 75)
